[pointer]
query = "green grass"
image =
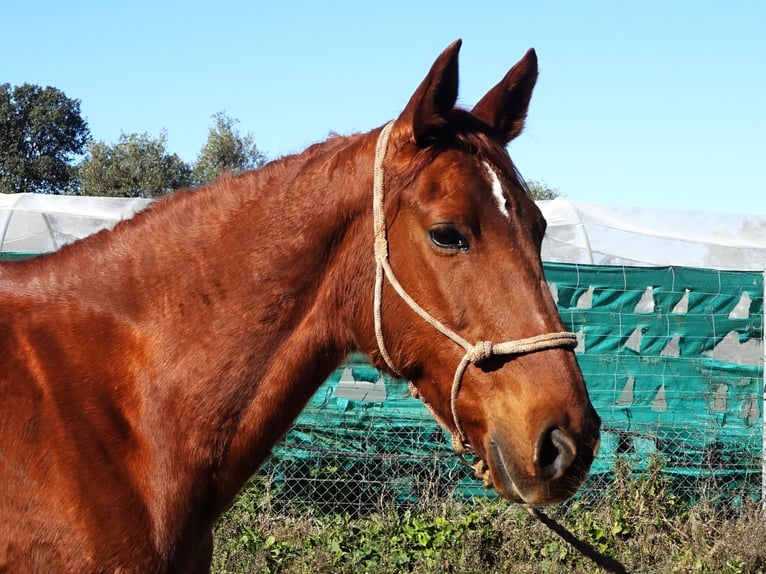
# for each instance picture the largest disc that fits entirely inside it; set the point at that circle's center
(637, 519)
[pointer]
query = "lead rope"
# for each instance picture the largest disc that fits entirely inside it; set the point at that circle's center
(474, 353)
(608, 563)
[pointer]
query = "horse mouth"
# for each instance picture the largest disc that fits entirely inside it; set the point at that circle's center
(506, 487)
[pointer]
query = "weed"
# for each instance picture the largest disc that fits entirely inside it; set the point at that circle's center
(639, 519)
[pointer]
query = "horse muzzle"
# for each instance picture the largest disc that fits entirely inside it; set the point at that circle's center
(557, 467)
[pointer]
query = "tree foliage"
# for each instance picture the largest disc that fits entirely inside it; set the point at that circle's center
(226, 150)
(137, 166)
(41, 132)
(541, 190)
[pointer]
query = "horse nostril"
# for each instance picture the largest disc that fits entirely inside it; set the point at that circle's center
(556, 451)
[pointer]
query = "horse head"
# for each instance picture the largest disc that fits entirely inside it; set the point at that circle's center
(462, 307)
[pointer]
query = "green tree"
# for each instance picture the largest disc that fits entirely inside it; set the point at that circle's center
(226, 150)
(541, 190)
(41, 133)
(137, 166)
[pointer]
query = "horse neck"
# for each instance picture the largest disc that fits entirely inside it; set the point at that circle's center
(277, 286)
(244, 296)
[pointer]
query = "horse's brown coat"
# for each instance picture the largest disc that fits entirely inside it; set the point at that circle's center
(146, 372)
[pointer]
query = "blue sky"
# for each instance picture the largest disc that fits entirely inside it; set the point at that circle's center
(650, 103)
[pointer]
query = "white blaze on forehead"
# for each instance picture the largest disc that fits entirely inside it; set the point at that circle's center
(497, 189)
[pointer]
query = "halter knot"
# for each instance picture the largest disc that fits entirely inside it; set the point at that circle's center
(480, 352)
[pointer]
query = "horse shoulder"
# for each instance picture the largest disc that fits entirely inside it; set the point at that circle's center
(70, 496)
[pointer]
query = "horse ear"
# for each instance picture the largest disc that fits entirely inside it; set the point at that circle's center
(429, 108)
(505, 106)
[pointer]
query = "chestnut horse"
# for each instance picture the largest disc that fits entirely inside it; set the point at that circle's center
(146, 372)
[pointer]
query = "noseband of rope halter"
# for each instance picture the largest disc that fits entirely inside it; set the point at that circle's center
(474, 353)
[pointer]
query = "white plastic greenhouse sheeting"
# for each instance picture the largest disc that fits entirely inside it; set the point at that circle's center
(38, 223)
(577, 232)
(616, 235)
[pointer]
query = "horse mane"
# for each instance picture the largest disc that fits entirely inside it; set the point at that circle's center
(188, 210)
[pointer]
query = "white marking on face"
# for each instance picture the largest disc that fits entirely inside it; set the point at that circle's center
(497, 189)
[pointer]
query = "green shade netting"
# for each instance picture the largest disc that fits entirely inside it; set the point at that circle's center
(673, 361)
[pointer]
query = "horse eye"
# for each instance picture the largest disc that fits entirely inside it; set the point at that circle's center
(448, 237)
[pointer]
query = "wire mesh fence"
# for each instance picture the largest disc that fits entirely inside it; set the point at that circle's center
(673, 360)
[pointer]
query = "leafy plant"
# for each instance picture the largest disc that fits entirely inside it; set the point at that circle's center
(639, 519)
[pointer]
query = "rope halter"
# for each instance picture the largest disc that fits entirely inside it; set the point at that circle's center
(474, 353)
